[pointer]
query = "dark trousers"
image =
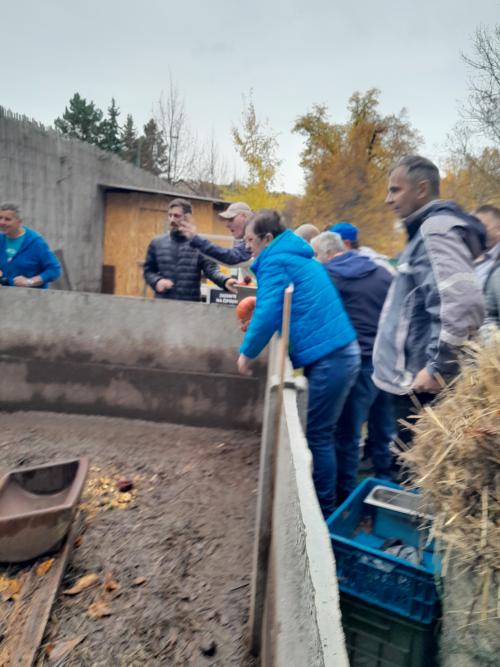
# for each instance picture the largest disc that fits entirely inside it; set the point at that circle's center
(329, 381)
(364, 402)
(405, 408)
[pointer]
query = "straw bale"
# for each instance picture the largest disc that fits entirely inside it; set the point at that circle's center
(455, 461)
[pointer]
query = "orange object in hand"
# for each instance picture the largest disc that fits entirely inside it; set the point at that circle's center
(244, 311)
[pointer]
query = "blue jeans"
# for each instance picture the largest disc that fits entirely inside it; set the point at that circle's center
(329, 381)
(366, 402)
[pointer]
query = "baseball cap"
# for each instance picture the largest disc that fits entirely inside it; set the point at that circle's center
(235, 208)
(346, 230)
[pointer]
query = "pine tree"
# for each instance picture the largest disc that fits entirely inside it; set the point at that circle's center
(128, 140)
(152, 148)
(81, 120)
(110, 130)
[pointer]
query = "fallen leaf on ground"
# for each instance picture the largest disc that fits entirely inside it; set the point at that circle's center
(98, 609)
(138, 581)
(9, 588)
(44, 567)
(110, 584)
(82, 584)
(55, 652)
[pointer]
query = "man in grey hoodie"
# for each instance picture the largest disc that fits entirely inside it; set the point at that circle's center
(435, 302)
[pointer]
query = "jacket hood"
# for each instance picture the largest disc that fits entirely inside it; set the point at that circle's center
(351, 265)
(473, 233)
(28, 238)
(286, 243)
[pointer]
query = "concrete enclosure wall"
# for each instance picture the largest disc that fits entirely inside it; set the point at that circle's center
(294, 617)
(129, 357)
(57, 181)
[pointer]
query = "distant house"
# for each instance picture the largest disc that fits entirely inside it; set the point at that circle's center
(99, 211)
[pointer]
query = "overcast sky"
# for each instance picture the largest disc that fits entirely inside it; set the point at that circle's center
(292, 54)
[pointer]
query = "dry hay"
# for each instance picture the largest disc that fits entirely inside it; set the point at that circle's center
(455, 461)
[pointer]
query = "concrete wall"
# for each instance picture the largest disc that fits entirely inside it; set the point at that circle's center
(294, 617)
(56, 181)
(130, 357)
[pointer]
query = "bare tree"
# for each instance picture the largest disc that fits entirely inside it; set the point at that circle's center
(171, 118)
(210, 169)
(482, 111)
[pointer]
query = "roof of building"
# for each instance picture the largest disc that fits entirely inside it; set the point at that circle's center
(170, 193)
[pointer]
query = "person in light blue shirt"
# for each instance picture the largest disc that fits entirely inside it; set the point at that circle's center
(25, 257)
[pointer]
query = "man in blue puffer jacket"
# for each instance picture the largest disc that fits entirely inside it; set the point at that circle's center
(25, 257)
(322, 339)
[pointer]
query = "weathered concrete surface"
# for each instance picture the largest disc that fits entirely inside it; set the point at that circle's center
(468, 639)
(99, 354)
(56, 181)
(302, 622)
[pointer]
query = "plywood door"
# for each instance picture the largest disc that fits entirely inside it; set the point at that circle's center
(132, 220)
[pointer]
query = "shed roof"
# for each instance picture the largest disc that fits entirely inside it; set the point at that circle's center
(117, 187)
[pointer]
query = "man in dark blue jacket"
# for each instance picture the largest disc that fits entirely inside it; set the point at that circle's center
(363, 286)
(25, 257)
(173, 268)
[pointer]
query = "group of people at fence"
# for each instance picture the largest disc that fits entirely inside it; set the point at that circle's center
(377, 340)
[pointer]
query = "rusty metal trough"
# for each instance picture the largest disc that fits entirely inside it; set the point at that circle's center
(37, 507)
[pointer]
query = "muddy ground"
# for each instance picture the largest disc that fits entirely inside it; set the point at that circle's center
(177, 549)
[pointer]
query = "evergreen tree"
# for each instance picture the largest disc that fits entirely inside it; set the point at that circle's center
(81, 120)
(152, 148)
(128, 140)
(110, 130)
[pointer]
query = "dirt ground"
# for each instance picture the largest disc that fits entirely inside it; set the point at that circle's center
(173, 556)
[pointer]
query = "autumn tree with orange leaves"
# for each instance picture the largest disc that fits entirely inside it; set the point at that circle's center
(346, 167)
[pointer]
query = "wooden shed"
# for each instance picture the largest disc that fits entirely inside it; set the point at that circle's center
(135, 216)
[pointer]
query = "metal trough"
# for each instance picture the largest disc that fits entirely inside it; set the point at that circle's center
(37, 507)
(398, 500)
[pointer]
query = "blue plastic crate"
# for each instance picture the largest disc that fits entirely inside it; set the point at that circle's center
(373, 575)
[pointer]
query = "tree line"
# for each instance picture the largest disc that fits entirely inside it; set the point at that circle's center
(345, 164)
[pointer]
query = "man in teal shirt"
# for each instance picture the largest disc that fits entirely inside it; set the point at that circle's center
(25, 257)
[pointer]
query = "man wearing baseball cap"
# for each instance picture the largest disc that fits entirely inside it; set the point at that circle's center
(236, 217)
(349, 235)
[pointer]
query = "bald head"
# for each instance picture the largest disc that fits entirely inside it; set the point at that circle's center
(307, 232)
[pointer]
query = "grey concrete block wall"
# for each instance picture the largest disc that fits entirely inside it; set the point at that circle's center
(129, 357)
(56, 181)
(302, 622)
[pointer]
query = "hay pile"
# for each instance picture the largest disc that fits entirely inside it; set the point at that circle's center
(455, 461)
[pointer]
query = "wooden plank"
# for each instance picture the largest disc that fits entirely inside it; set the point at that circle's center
(31, 613)
(271, 431)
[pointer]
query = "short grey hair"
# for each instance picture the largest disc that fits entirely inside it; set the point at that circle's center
(328, 243)
(418, 169)
(11, 206)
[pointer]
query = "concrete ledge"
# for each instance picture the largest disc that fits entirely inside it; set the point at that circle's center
(100, 354)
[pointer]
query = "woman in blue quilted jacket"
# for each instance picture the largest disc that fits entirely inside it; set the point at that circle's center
(322, 339)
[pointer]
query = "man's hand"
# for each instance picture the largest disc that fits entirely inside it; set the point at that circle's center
(244, 365)
(163, 285)
(230, 285)
(424, 382)
(187, 226)
(22, 281)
